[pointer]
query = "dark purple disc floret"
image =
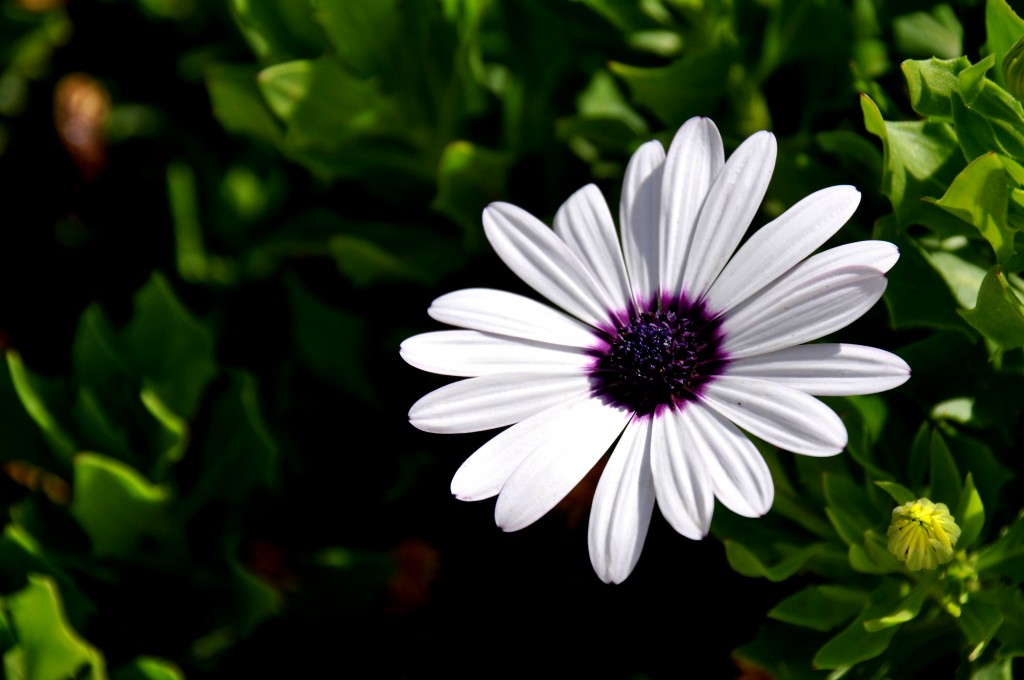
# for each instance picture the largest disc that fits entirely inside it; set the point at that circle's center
(660, 356)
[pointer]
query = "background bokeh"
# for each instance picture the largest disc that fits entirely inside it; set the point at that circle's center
(220, 219)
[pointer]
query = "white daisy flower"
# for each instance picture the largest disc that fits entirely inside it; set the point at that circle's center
(667, 347)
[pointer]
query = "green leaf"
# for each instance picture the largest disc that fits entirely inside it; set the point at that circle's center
(371, 254)
(115, 504)
(237, 455)
(907, 609)
(854, 644)
(937, 33)
(103, 397)
(849, 509)
(469, 177)
(933, 84)
(7, 637)
(48, 648)
(980, 196)
(920, 159)
(899, 493)
(1013, 69)
(687, 87)
(780, 654)
(343, 126)
(1003, 28)
(21, 555)
(998, 313)
(172, 350)
(40, 398)
(944, 477)
(980, 621)
(364, 34)
(238, 104)
(970, 514)
(148, 668)
(820, 607)
(278, 30)
(1005, 555)
(920, 455)
(918, 295)
(1000, 669)
(987, 117)
(745, 562)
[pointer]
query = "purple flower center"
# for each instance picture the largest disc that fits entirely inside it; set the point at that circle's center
(658, 357)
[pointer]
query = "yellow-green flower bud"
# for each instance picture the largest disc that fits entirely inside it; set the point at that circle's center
(923, 534)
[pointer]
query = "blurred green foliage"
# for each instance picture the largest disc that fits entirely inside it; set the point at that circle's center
(220, 223)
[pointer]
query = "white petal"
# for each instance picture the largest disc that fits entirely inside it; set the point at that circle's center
(693, 160)
(486, 471)
(880, 255)
(492, 401)
(739, 475)
(781, 244)
(541, 259)
(827, 369)
(639, 211)
(681, 481)
(585, 224)
(496, 311)
(585, 433)
(778, 414)
(623, 505)
(731, 204)
(780, 317)
(472, 353)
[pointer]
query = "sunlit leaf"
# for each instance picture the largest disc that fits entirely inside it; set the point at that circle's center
(980, 196)
(906, 610)
(40, 398)
(999, 313)
(1003, 28)
(933, 84)
(148, 668)
(48, 648)
(114, 503)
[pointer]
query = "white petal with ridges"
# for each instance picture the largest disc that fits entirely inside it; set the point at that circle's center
(731, 204)
(781, 317)
(681, 481)
(827, 369)
(781, 244)
(542, 260)
(691, 165)
(492, 401)
(739, 475)
(472, 353)
(496, 311)
(586, 431)
(585, 224)
(486, 471)
(623, 505)
(639, 212)
(780, 415)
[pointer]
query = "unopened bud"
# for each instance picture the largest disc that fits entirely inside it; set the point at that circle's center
(923, 534)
